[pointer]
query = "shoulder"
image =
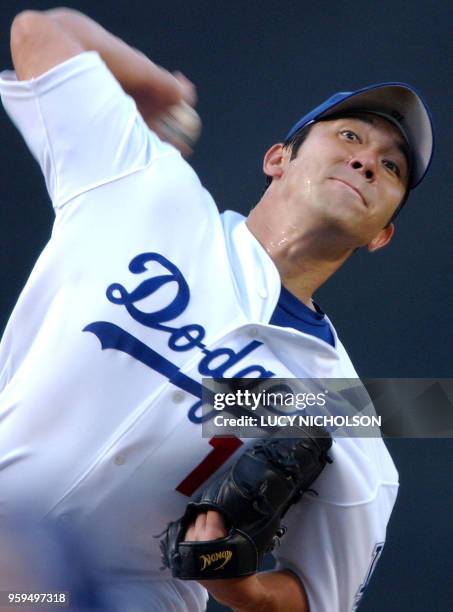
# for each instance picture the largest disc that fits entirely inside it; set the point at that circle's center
(38, 43)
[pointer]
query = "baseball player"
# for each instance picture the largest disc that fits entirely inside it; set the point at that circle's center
(144, 288)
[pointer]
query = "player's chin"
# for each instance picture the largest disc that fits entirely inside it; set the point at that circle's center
(348, 212)
(344, 215)
(348, 208)
(345, 227)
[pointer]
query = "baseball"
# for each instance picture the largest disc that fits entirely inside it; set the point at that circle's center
(180, 124)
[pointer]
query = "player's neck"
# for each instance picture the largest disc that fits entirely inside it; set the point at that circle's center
(304, 273)
(304, 259)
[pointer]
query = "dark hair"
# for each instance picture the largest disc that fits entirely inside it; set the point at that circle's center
(294, 143)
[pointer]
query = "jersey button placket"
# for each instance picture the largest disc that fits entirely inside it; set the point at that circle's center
(253, 332)
(177, 397)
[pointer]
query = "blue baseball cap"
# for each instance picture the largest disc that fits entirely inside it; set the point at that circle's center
(400, 104)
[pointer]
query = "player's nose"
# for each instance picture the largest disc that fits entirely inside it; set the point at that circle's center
(365, 164)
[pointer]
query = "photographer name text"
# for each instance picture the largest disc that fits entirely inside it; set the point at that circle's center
(298, 420)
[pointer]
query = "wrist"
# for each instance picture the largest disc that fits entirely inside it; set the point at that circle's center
(264, 602)
(242, 594)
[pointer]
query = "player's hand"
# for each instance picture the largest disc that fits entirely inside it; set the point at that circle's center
(240, 594)
(173, 117)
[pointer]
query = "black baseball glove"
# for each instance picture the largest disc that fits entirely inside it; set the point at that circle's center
(252, 496)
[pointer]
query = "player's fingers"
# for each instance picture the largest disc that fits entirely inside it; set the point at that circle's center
(189, 91)
(200, 523)
(190, 534)
(215, 525)
(196, 531)
(207, 526)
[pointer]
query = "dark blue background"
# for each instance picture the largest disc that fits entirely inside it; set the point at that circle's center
(258, 67)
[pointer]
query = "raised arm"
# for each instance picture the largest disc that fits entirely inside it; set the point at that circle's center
(42, 40)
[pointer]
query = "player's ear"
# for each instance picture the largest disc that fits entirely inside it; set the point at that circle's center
(382, 239)
(272, 162)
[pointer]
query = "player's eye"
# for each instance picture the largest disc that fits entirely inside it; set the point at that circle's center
(388, 163)
(350, 135)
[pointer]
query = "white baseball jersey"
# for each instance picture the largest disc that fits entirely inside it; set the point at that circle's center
(143, 289)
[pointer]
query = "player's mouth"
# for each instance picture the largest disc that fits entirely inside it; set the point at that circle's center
(357, 191)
